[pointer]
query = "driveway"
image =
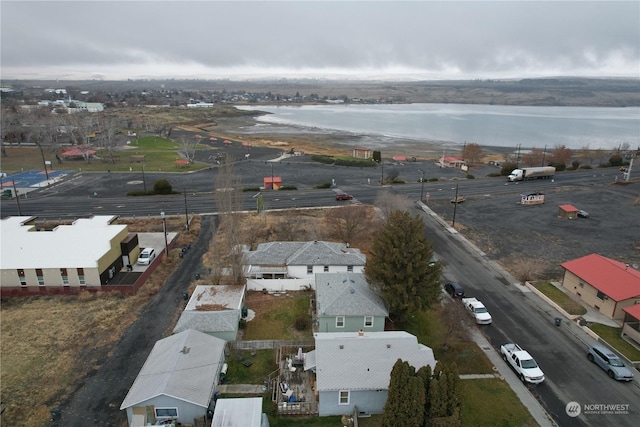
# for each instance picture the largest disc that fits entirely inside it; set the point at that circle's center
(97, 401)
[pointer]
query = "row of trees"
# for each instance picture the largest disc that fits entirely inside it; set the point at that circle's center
(560, 156)
(423, 398)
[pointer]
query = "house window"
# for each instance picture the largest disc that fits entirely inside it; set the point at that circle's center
(40, 276)
(350, 268)
(326, 268)
(81, 276)
(166, 412)
(340, 322)
(601, 296)
(344, 397)
(368, 321)
(309, 269)
(23, 279)
(65, 277)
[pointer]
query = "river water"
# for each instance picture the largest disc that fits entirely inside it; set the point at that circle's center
(457, 124)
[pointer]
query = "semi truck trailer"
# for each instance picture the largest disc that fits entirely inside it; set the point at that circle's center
(525, 174)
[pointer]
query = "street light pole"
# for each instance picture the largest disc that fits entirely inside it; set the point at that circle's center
(455, 206)
(144, 182)
(186, 212)
(422, 182)
(164, 229)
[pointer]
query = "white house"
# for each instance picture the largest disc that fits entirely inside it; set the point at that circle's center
(280, 266)
(214, 310)
(177, 381)
(87, 253)
(354, 368)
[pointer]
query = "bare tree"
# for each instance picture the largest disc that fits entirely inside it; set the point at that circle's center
(190, 145)
(388, 202)
(289, 226)
(229, 201)
(472, 153)
(561, 155)
(108, 127)
(348, 222)
(533, 158)
(525, 269)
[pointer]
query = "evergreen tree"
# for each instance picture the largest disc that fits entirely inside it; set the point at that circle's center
(453, 390)
(425, 374)
(405, 398)
(398, 265)
(438, 393)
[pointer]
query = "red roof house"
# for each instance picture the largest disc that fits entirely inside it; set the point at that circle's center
(605, 284)
(272, 183)
(362, 153)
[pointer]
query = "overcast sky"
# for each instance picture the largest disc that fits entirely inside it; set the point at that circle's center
(337, 39)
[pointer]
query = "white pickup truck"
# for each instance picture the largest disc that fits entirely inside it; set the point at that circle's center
(478, 310)
(522, 362)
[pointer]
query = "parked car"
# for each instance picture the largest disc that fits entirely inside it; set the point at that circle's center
(454, 289)
(609, 362)
(583, 214)
(146, 256)
(343, 196)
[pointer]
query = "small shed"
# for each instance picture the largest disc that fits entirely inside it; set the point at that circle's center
(362, 153)
(272, 182)
(568, 212)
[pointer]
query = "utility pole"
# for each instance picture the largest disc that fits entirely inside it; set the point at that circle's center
(422, 183)
(544, 153)
(17, 198)
(144, 182)
(44, 163)
(455, 206)
(186, 211)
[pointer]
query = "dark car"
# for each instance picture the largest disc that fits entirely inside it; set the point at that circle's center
(344, 196)
(609, 362)
(454, 289)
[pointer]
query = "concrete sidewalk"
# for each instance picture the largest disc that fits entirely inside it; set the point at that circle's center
(519, 388)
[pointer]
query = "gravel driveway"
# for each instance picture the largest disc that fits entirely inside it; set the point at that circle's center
(97, 402)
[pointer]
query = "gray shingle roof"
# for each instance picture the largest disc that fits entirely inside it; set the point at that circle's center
(347, 361)
(347, 294)
(208, 321)
(189, 376)
(304, 253)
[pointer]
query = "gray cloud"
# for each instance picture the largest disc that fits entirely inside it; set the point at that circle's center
(424, 39)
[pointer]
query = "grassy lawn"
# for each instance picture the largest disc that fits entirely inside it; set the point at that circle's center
(263, 363)
(491, 402)
(160, 155)
(612, 336)
(275, 320)
(563, 300)
(428, 326)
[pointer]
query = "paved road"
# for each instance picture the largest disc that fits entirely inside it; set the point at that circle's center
(521, 316)
(97, 402)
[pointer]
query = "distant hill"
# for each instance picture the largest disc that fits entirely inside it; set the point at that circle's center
(560, 91)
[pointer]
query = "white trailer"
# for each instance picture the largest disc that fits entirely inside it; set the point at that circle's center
(525, 174)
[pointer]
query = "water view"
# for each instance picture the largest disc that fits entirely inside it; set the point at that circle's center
(453, 124)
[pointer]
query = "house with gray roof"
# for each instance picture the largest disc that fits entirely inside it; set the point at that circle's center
(177, 381)
(353, 369)
(214, 310)
(279, 266)
(346, 303)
